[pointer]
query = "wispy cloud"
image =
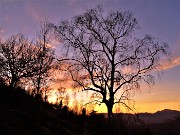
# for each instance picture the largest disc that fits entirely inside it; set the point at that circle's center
(34, 12)
(1, 31)
(172, 63)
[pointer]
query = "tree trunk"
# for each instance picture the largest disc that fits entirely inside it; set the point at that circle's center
(110, 112)
(12, 83)
(111, 129)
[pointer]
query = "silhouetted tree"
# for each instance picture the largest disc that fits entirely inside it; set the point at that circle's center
(106, 58)
(66, 99)
(84, 112)
(60, 104)
(45, 61)
(61, 91)
(21, 59)
(18, 59)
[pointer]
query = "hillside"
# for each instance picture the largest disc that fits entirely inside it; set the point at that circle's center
(22, 114)
(164, 122)
(159, 116)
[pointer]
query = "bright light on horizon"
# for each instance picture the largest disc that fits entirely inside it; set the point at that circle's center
(144, 102)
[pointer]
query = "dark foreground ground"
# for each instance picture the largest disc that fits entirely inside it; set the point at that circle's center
(22, 114)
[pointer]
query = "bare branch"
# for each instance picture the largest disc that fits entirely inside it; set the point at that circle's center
(103, 53)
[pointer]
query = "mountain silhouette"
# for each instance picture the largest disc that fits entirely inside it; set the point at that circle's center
(159, 116)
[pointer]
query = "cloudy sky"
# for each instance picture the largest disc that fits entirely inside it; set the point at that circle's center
(160, 18)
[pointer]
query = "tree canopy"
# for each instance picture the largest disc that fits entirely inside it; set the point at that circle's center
(22, 59)
(105, 56)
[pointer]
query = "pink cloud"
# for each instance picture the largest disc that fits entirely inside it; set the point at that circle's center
(172, 63)
(1, 31)
(34, 12)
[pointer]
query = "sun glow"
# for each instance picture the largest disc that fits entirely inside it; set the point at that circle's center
(52, 98)
(80, 100)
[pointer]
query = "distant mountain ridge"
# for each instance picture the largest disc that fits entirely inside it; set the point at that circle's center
(159, 116)
(167, 112)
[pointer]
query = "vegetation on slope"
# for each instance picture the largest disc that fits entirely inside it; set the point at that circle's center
(21, 113)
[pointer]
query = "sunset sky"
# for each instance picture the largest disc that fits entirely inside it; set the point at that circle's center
(160, 18)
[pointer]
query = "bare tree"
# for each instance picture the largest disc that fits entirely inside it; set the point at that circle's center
(61, 92)
(17, 59)
(22, 60)
(45, 61)
(106, 58)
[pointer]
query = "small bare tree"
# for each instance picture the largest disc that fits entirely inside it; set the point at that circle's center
(61, 92)
(18, 59)
(22, 60)
(45, 61)
(104, 56)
